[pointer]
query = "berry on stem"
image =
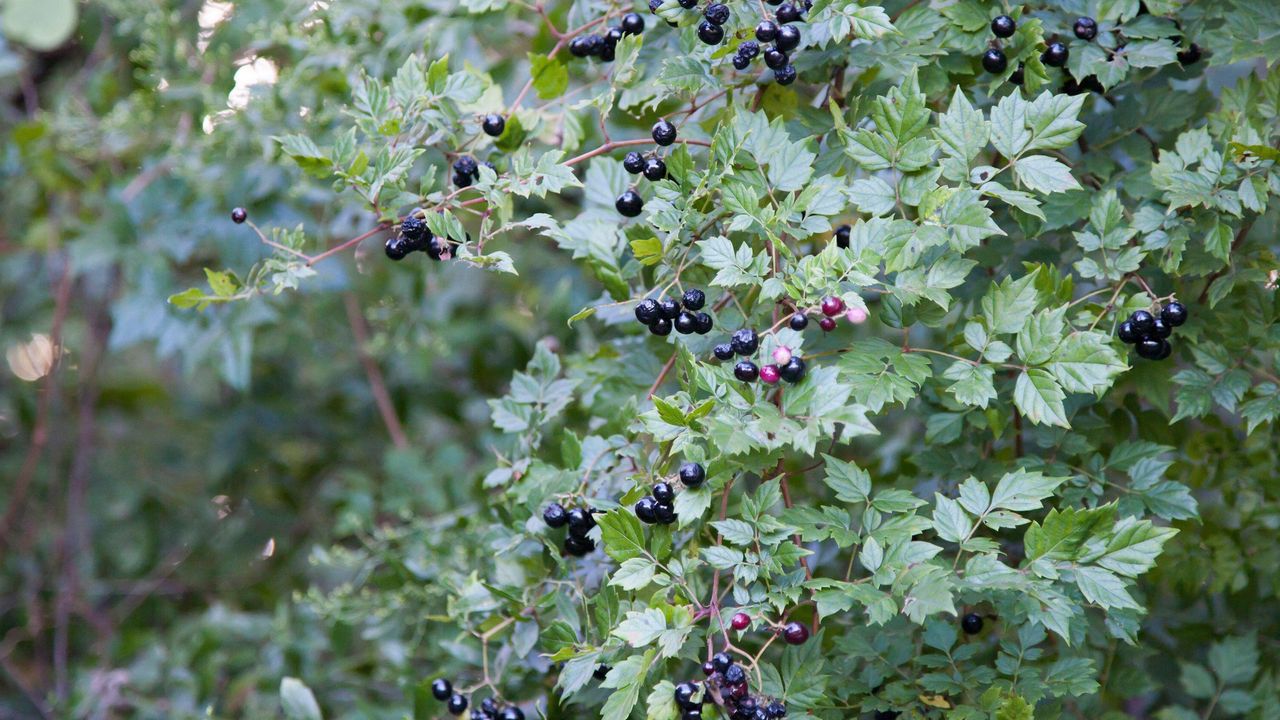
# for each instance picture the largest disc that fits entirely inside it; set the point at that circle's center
(457, 704)
(1127, 333)
(655, 169)
(633, 163)
(766, 31)
(632, 24)
(788, 38)
(555, 516)
(494, 125)
(710, 33)
(827, 324)
(663, 492)
(664, 512)
(511, 712)
(1175, 313)
(1162, 329)
(647, 310)
(787, 13)
(601, 671)
(717, 13)
(578, 546)
(746, 371)
(793, 371)
(1055, 55)
(684, 693)
(239, 215)
(749, 49)
(664, 133)
(1190, 56)
(769, 374)
(694, 299)
(1003, 26)
(644, 510)
(397, 248)
(832, 306)
(798, 322)
(1151, 347)
(723, 351)
(795, 633)
(660, 327)
(740, 621)
(785, 75)
(744, 341)
(782, 354)
(692, 474)
(686, 323)
(629, 203)
(842, 236)
(441, 689)
(994, 61)
(735, 675)
(1085, 28)
(721, 661)
(774, 58)
(670, 308)
(705, 323)
(1143, 322)
(971, 624)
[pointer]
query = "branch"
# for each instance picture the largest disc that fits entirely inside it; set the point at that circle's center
(376, 382)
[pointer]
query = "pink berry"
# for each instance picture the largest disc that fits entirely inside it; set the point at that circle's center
(827, 324)
(740, 621)
(857, 316)
(770, 374)
(782, 354)
(832, 306)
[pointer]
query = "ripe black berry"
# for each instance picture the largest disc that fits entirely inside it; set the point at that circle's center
(694, 299)
(633, 163)
(776, 710)
(734, 674)
(1150, 347)
(511, 712)
(704, 323)
(669, 308)
(1003, 26)
(1190, 56)
(708, 668)
(1085, 28)
(437, 248)
(1162, 329)
(413, 229)
(740, 63)
(692, 474)
(581, 519)
(717, 13)
(494, 125)
(1055, 55)
(1018, 76)
(579, 47)
(775, 58)
(788, 13)
(441, 689)
(664, 133)
(746, 371)
(749, 49)
(842, 236)
(1165, 350)
(663, 492)
(489, 706)
(611, 38)
(1175, 314)
(788, 38)
(785, 75)
(644, 510)
(239, 215)
(795, 633)
(664, 512)
(577, 546)
(971, 624)
(692, 713)
(684, 693)
(722, 661)
(601, 671)
(647, 310)
(798, 322)
(457, 704)
(595, 45)
(629, 203)
(744, 341)
(686, 323)
(655, 169)
(793, 371)
(710, 33)
(1143, 322)
(994, 61)
(1127, 333)
(723, 351)
(632, 24)
(688, 4)
(397, 248)
(465, 165)
(766, 31)
(555, 516)
(660, 327)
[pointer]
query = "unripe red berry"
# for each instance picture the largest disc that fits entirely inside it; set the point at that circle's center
(857, 316)
(769, 374)
(832, 306)
(827, 324)
(795, 633)
(740, 621)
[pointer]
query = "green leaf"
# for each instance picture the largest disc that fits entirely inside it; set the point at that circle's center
(622, 534)
(851, 483)
(1039, 397)
(298, 700)
(550, 76)
(1044, 174)
(41, 24)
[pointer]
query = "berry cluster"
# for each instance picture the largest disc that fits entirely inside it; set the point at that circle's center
(745, 342)
(660, 316)
(995, 62)
(629, 203)
(658, 508)
(603, 46)
(1150, 334)
(785, 37)
(726, 685)
(457, 704)
(413, 236)
(466, 170)
(580, 521)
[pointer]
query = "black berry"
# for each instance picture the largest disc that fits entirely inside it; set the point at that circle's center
(647, 310)
(766, 31)
(511, 712)
(1018, 76)
(734, 674)
(686, 323)
(740, 63)
(688, 4)
(1055, 55)
(663, 492)
(437, 248)
(740, 621)
(595, 45)
(788, 13)
(785, 75)
(601, 671)
(489, 706)
(723, 351)
(669, 308)
(1127, 333)
(694, 299)
(684, 693)
(494, 125)
(692, 474)
(1190, 56)
(708, 668)
(705, 323)
(799, 321)
(579, 47)
(577, 546)
(746, 371)
(795, 633)
(994, 61)
(1143, 322)
(827, 324)
(664, 512)
(632, 24)
(555, 515)
(457, 704)
(717, 13)
(788, 38)
(239, 215)
(1174, 314)
(692, 713)
(744, 341)
(660, 327)
(776, 710)
(971, 624)
(397, 248)
(1162, 329)
(1151, 347)
(710, 33)
(842, 236)
(1003, 26)
(441, 689)
(749, 49)
(722, 661)
(465, 165)
(832, 306)
(644, 510)
(775, 58)
(580, 519)
(633, 163)
(664, 133)
(1085, 28)
(655, 169)
(629, 203)
(793, 371)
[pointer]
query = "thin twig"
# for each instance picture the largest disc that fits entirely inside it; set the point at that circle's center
(377, 383)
